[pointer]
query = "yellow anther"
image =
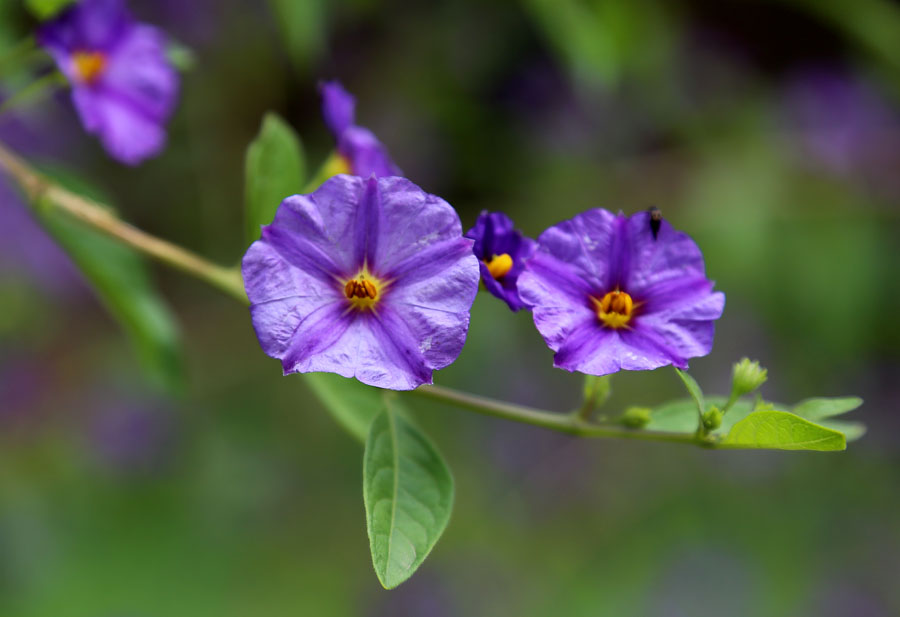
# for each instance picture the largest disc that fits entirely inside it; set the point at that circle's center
(499, 265)
(614, 309)
(362, 291)
(89, 65)
(337, 164)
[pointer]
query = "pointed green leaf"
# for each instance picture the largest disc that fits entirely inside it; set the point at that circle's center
(408, 492)
(353, 405)
(781, 430)
(819, 408)
(273, 170)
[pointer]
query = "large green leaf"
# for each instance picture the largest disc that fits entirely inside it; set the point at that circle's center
(408, 492)
(353, 405)
(119, 277)
(274, 169)
(782, 431)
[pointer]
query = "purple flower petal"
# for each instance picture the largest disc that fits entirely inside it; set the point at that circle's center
(671, 310)
(495, 235)
(406, 244)
(338, 107)
(363, 152)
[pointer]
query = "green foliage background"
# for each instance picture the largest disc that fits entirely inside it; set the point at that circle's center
(540, 109)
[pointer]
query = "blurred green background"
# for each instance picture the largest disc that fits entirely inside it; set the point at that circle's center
(767, 130)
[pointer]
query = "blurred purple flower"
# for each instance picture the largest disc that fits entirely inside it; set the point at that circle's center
(132, 436)
(364, 278)
(842, 122)
(361, 151)
(123, 86)
(609, 294)
(502, 251)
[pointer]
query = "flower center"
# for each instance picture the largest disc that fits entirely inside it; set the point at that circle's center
(499, 265)
(89, 65)
(614, 309)
(362, 291)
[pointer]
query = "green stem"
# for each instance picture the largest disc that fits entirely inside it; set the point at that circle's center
(564, 423)
(29, 93)
(41, 190)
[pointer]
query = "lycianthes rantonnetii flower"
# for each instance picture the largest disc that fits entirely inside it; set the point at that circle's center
(502, 251)
(607, 293)
(123, 87)
(367, 278)
(360, 151)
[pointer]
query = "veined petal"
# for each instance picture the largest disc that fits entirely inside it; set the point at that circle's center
(128, 134)
(367, 155)
(672, 255)
(139, 71)
(367, 224)
(318, 339)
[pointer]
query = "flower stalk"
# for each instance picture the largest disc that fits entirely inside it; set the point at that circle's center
(41, 190)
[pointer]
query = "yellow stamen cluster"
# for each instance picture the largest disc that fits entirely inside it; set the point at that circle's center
(363, 291)
(614, 309)
(89, 65)
(499, 265)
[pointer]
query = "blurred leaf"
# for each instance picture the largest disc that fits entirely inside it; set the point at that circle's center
(119, 278)
(693, 389)
(819, 408)
(303, 27)
(781, 430)
(45, 9)
(274, 169)
(353, 404)
(408, 492)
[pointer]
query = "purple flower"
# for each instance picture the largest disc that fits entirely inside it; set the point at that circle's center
(362, 153)
(366, 278)
(123, 87)
(608, 294)
(502, 251)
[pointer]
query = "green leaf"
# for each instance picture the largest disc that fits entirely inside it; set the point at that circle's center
(820, 408)
(120, 280)
(303, 26)
(274, 169)
(693, 389)
(781, 430)
(408, 492)
(45, 9)
(353, 405)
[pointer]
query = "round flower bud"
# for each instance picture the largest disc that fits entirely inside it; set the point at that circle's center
(636, 417)
(747, 376)
(712, 419)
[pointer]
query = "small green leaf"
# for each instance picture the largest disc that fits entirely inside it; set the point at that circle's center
(119, 277)
(693, 389)
(274, 169)
(354, 405)
(45, 9)
(408, 492)
(820, 408)
(781, 430)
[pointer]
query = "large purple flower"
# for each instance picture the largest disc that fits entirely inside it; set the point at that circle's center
(502, 251)
(609, 292)
(366, 278)
(362, 153)
(123, 87)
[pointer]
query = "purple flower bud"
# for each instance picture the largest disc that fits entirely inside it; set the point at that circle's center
(364, 278)
(502, 251)
(608, 295)
(123, 87)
